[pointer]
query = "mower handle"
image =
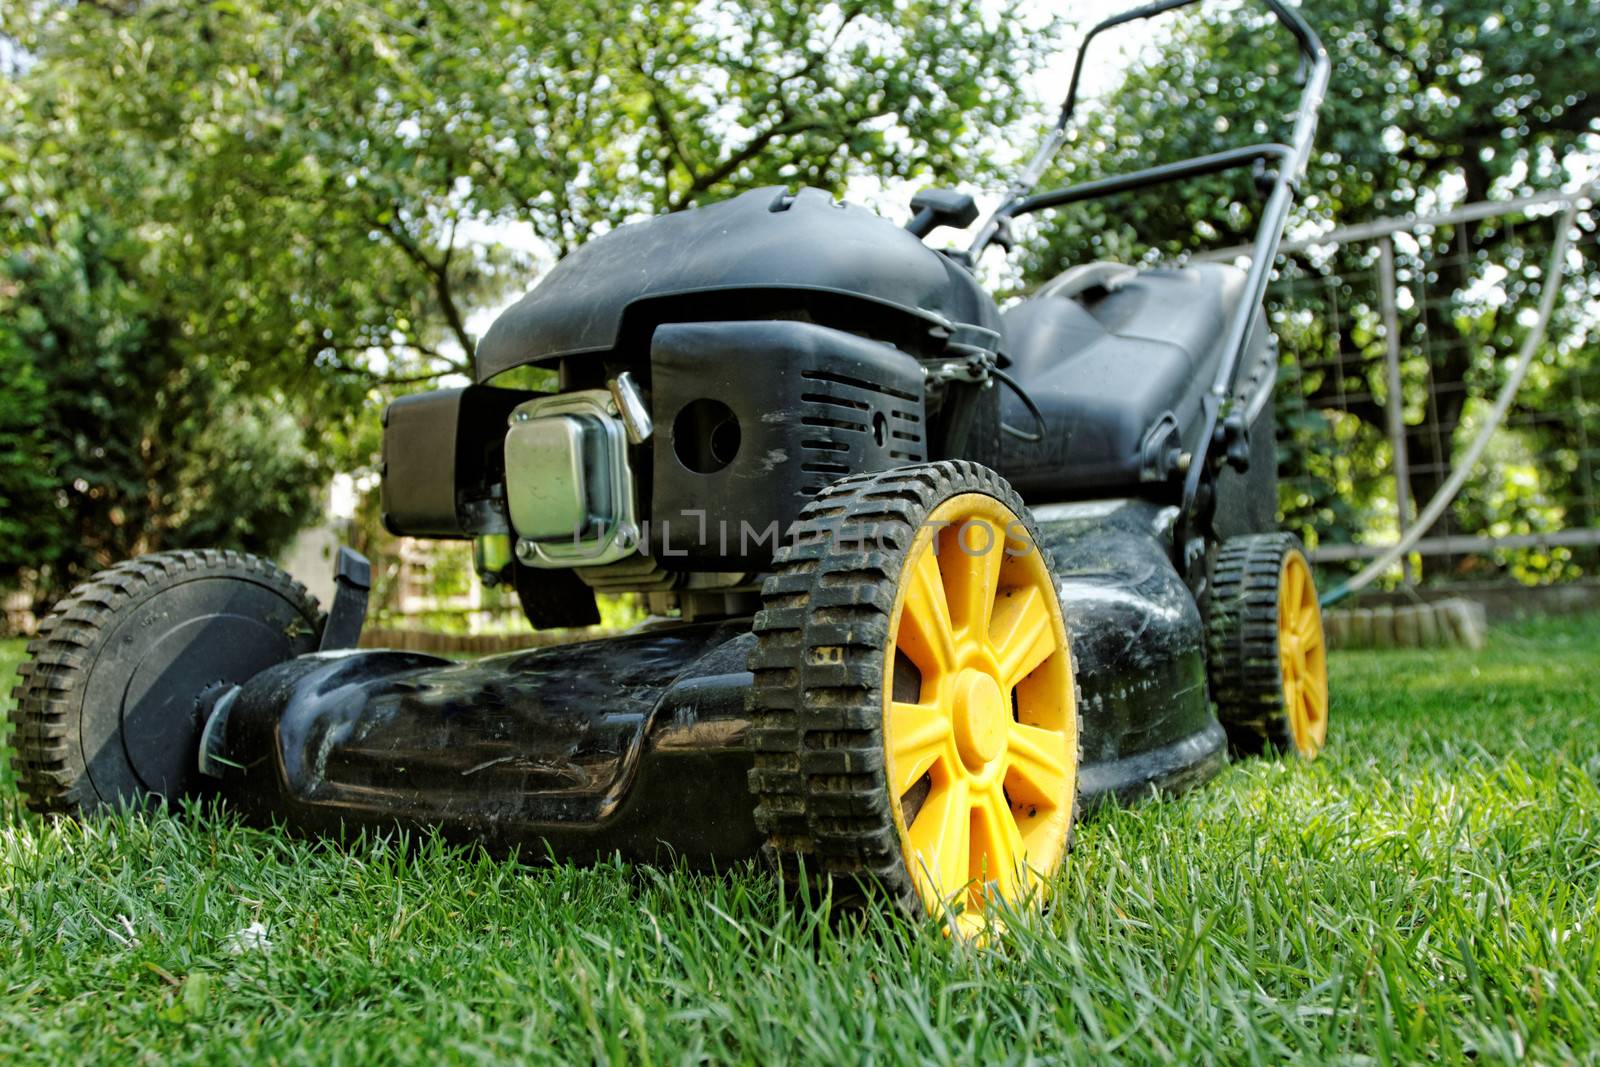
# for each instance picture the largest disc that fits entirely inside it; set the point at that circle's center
(1225, 427)
(1314, 69)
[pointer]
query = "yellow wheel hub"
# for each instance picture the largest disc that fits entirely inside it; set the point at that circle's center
(1302, 656)
(979, 718)
(980, 726)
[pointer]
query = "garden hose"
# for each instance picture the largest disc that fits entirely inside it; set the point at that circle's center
(1555, 276)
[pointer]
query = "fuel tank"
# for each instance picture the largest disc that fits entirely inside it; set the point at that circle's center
(636, 744)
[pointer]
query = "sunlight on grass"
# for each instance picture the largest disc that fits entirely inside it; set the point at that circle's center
(1428, 889)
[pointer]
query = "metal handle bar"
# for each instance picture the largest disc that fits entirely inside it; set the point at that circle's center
(1291, 158)
(1139, 179)
(1314, 67)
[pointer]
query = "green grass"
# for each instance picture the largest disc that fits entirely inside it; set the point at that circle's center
(1427, 890)
(11, 653)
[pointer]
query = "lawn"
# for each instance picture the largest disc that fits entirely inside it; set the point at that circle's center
(1427, 890)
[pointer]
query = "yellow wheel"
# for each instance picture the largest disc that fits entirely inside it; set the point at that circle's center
(1268, 657)
(1302, 656)
(916, 726)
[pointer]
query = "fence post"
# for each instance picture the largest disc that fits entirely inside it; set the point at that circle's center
(1394, 402)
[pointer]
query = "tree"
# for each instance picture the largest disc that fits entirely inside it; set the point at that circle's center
(231, 231)
(320, 177)
(25, 453)
(128, 446)
(1430, 104)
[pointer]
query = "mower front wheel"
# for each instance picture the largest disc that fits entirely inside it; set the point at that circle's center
(915, 718)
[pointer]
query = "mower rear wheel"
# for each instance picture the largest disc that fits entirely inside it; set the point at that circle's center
(111, 698)
(915, 718)
(1268, 658)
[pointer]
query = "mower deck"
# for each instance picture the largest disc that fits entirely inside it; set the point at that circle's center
(637, 744)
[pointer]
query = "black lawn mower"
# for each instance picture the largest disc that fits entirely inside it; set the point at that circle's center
(937, 575)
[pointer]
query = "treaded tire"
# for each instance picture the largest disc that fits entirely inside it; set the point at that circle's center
(72, 755)
(1242, 635)
(817, 702)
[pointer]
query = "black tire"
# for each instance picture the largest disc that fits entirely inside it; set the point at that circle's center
(1243, 630)
(818, 700)
(108, 703)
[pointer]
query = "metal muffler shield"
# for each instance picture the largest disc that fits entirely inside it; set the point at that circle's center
(569, 487)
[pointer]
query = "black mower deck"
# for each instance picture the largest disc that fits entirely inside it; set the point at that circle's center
(637, 743)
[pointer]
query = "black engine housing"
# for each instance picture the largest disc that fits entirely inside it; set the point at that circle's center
(753, 419)
(780, 340)
(768, 253)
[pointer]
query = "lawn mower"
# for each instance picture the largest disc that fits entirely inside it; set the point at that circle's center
(929, 576)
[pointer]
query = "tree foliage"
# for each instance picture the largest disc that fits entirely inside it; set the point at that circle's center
(25, 453)
(316, 180)
(231, 229)
(123, 443)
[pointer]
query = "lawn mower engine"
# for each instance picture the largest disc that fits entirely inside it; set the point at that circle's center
(716, 371)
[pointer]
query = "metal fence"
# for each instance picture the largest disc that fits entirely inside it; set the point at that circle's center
(1396, 337)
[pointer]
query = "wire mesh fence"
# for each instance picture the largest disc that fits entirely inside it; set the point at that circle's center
(1397, 336)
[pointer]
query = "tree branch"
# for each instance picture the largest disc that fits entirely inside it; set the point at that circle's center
(413, 379)
(753, 148)
(438, 276)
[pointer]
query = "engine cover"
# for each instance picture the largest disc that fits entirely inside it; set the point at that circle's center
(754, 419)
(768, 252)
